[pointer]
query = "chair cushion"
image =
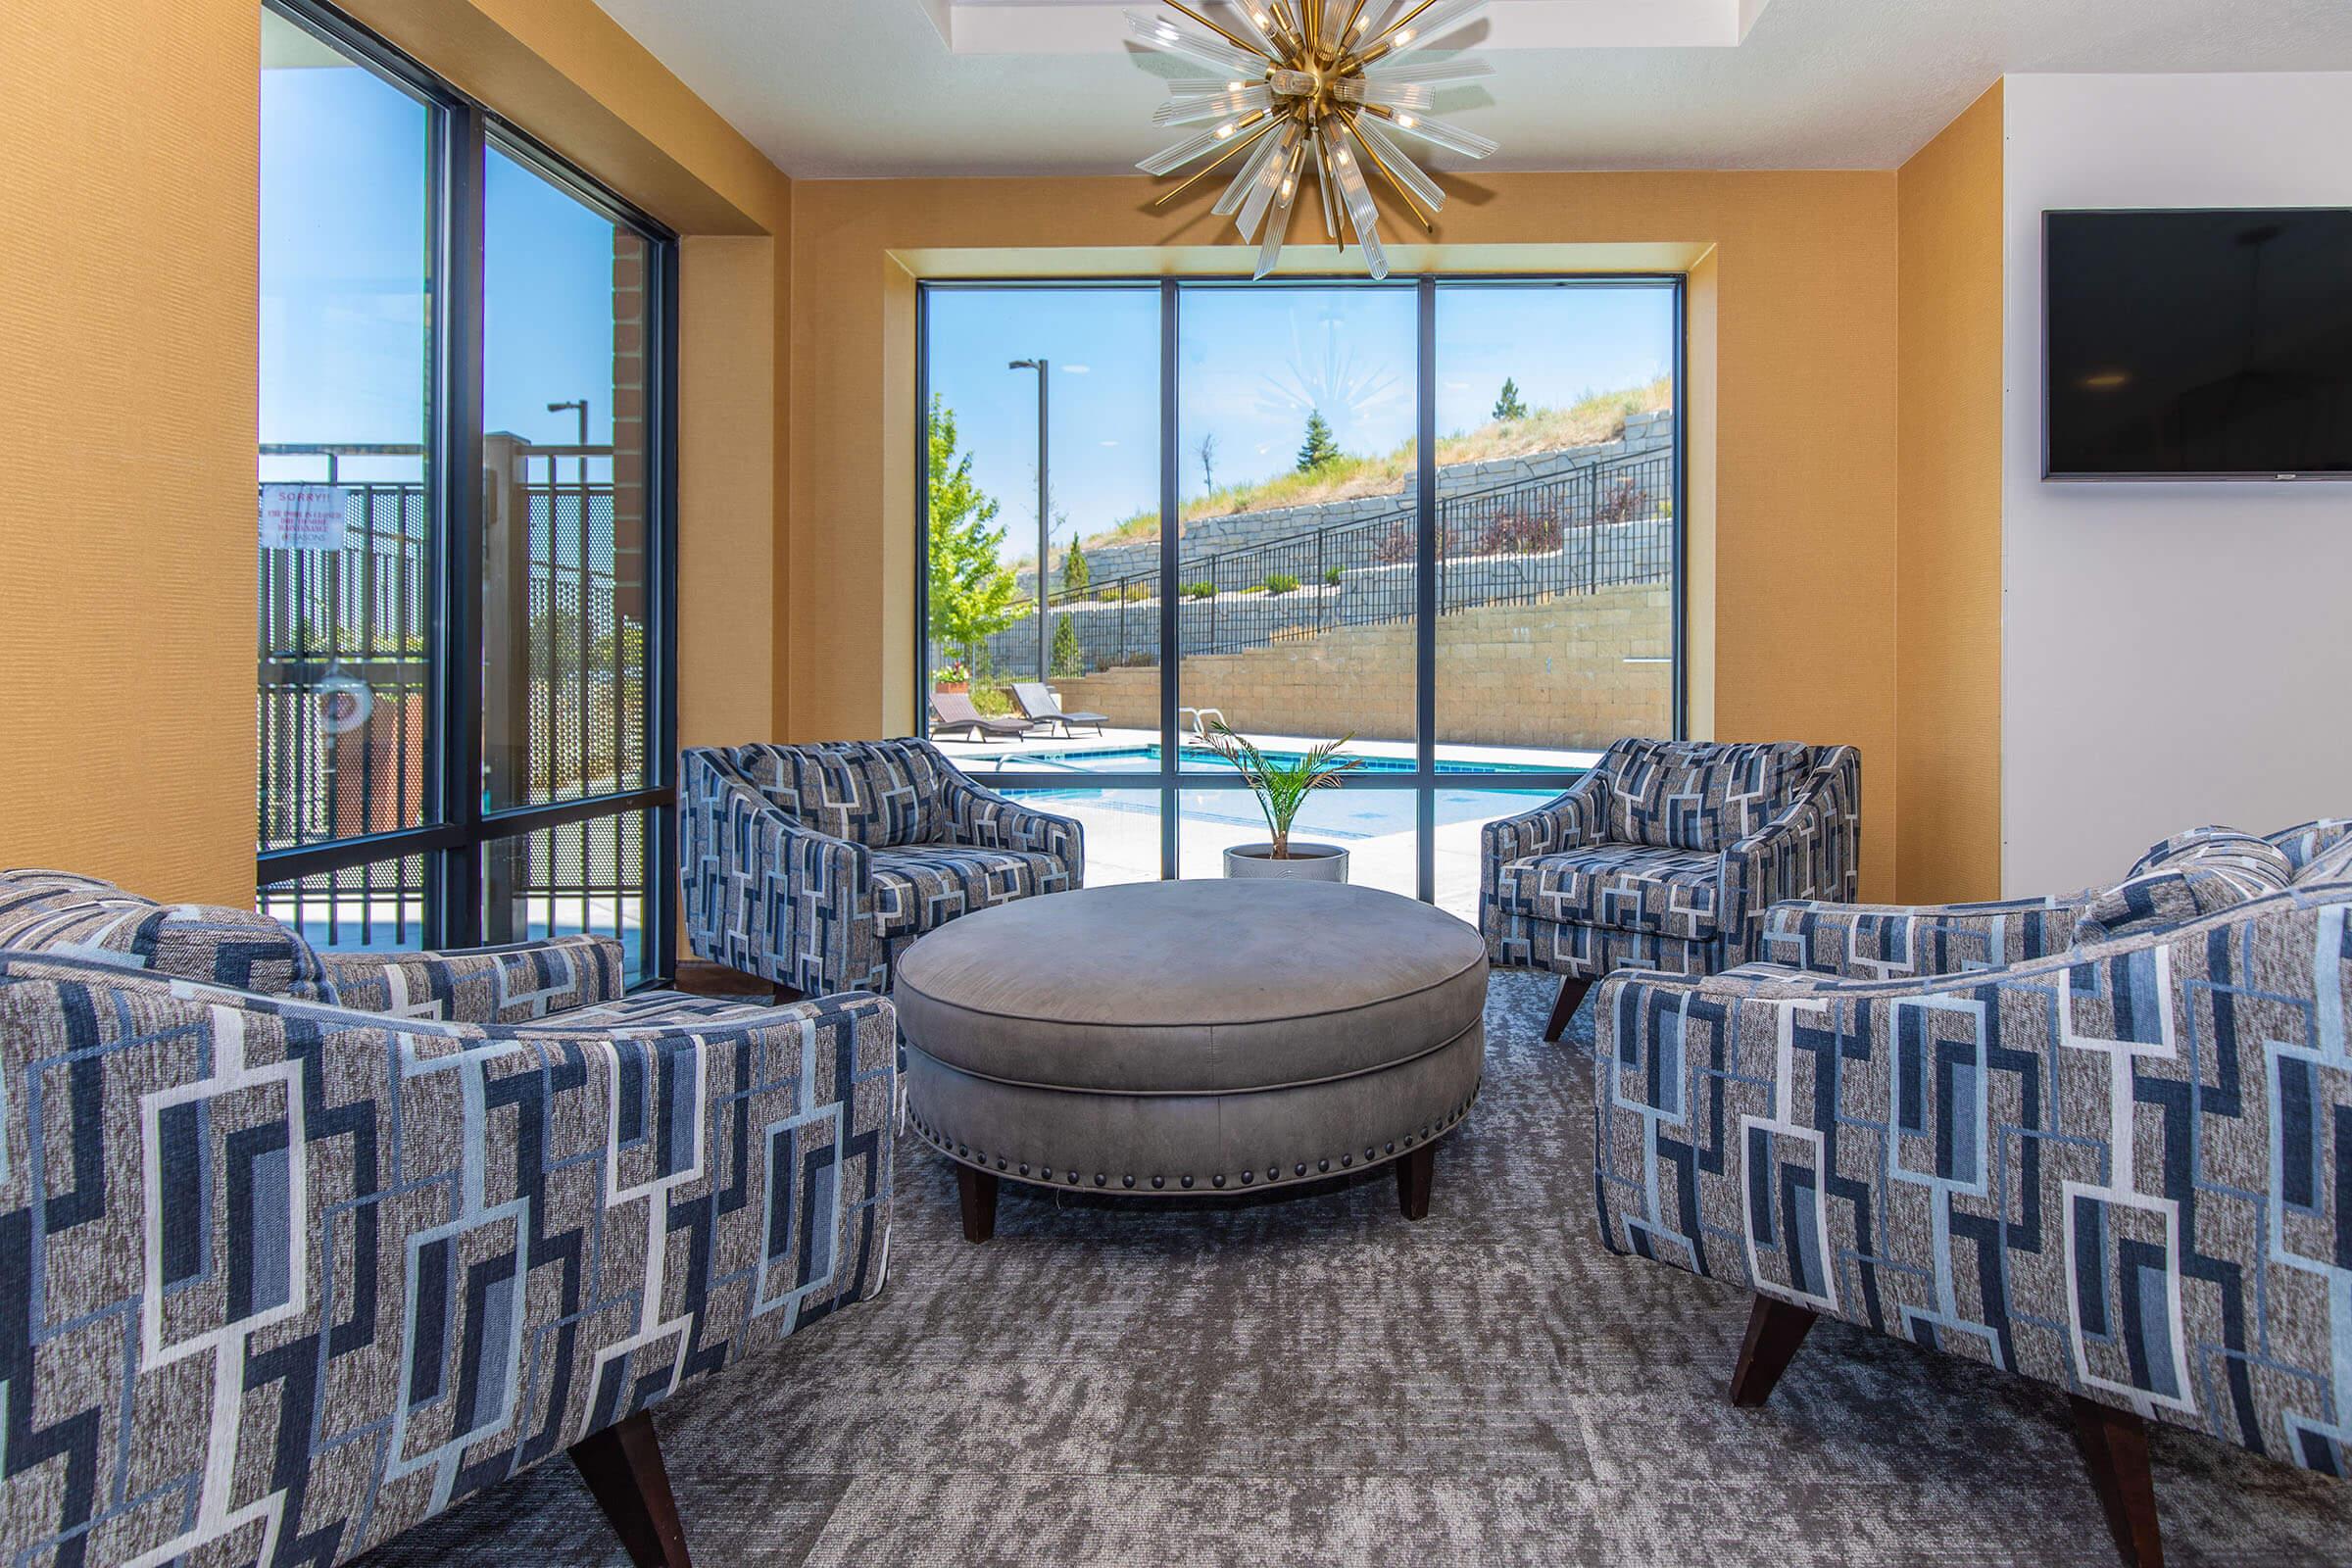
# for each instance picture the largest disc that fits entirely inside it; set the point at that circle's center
(922, 886)
(2332, 864)
(1627, 887)
(875, 792)
(1697, 794)
(78, 917)
(2308, 843)
(2202, 871)
(659, 1009)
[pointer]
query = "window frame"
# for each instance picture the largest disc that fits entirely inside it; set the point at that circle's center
(457, 840)
(1170, 778)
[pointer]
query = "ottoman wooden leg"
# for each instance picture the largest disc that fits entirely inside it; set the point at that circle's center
(978, 1190)
(1413, 1172)
(1572, 996)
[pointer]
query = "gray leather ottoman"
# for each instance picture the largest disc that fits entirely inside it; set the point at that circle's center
(1182, 1039)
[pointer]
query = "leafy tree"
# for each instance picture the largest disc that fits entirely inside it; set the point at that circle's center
(973, 594)
(1067, 660)
(1075, 573)
(1320, 448)
(1507, 404)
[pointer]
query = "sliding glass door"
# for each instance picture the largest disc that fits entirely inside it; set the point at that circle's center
(1438, 518)
(463, 715)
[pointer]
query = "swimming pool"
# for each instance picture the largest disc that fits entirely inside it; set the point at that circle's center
(1146, 759)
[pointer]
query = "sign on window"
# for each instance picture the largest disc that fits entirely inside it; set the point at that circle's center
(302, 516)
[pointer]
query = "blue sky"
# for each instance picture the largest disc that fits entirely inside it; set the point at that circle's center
(1252, 360)
(343, 273)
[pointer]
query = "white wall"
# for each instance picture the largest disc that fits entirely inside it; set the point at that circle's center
(2171, 655)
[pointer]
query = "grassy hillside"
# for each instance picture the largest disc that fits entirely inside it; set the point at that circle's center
(1589, 422)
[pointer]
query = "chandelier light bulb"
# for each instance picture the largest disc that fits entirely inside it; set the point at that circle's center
(1307, 86)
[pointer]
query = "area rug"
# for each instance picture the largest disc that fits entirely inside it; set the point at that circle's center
(1314, 1380)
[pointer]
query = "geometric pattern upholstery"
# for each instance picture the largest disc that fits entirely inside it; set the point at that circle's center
(279, 1279)
(812, 866)
(2125, 1171)
(2204, 870)
(77, 917)
(1697, 794)
(80, 917)
(1668, 855)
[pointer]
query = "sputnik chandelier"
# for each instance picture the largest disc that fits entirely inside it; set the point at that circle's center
(1310, 89)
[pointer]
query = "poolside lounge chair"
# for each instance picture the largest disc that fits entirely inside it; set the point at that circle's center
(1038, 703)
(953, 711)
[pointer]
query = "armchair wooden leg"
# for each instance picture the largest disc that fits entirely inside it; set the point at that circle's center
(1572, 996)
(1775, 1329)
(2115, 1449)
(622, 1466)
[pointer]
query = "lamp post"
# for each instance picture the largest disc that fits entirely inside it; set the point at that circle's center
(578, 405)
(1044, 524)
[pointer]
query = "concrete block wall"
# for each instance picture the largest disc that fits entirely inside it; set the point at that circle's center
(1576, 672)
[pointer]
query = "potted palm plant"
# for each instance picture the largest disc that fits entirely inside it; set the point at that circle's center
(1282, 789)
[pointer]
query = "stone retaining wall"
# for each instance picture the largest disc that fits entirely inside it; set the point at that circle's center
(1561, 674)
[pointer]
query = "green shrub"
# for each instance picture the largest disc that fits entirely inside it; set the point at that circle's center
(1331, 579)
(1067, 660)
(1280, 582)
(1200, 590)
(1138, 590)
(995, 702)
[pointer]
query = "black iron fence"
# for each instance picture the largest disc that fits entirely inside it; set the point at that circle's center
(346, 723)
(1592, 530)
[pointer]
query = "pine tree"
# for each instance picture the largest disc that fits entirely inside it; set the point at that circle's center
(972, 591)
(1320, 448)
(1507, 404)
(1075, 573)
(1066, 657)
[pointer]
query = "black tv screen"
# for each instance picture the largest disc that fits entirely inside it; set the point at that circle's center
(2187, 345)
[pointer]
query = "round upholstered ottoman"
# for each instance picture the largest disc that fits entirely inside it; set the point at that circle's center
(1188, 1038)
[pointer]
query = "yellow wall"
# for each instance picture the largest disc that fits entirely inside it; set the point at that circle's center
(1948, 498)
(128, 405)
(1793, 387)
(126, 413)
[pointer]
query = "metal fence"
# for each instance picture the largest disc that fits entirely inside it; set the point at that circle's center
(345, 713)
(1594, 528)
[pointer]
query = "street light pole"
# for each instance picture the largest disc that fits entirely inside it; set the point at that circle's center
(578, 405)
(1043, 523)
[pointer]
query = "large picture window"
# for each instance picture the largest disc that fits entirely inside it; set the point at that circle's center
(1440, 517)
(464, 729)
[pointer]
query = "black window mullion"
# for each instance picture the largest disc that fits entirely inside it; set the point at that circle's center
(1171, 666)
(1426, 604)
(458, 493)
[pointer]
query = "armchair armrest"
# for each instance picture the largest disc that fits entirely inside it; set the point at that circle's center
(984, 820)
(1811, 850)
(1881, 940)
(2022, 1165)
(572, 1225)
(768, 895)
(1571, 822)
(479, 985)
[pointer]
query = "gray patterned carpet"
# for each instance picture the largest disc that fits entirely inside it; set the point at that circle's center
(1317, 1381)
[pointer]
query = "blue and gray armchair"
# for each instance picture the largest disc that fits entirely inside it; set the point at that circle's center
(281, 1278)
(812, 867)
(2102, 1141)
(1665, 856)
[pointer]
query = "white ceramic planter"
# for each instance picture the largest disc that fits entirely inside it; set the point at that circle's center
(1309, 862)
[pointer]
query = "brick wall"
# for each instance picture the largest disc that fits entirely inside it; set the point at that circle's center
(1556, 674)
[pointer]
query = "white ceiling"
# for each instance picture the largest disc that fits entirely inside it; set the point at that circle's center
(846, 88)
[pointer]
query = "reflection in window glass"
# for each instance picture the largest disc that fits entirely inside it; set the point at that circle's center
(1555, 520)
(1297, 562)
(345, 540)
(380, 905)
(565, 572)
(1094, 354)
(580, 877)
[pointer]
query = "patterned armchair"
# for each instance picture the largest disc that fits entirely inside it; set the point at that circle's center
(281, 1279)
(2119, 1164)
(812, 867)
(1666, 857)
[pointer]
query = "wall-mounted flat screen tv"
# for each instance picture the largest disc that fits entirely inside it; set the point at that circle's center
(2198, 345)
